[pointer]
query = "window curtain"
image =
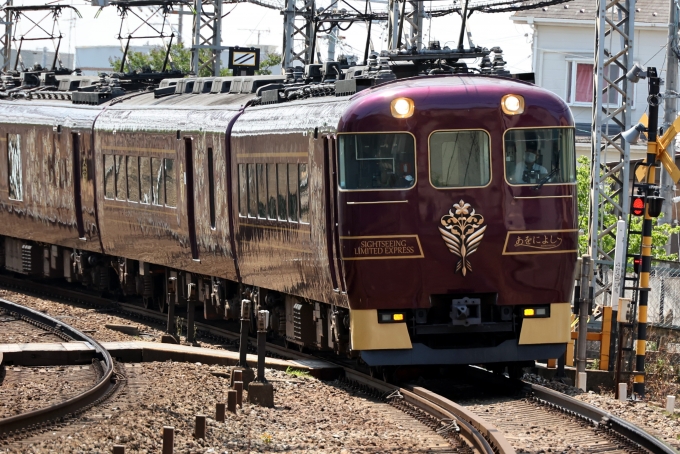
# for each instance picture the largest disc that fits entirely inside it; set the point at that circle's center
(584, 83)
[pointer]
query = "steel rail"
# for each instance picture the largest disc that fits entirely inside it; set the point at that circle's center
(600, 417)
(104, 386)
(429, 404)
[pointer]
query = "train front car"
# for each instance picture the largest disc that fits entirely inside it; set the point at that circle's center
(457, 221)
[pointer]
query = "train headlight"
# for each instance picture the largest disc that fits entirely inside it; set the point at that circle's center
(512, 104)
(402, 107)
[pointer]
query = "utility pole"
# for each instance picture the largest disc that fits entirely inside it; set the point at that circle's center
(5, 36)
(670, 111)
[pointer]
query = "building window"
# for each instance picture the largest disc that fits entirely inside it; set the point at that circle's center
(293, 192)
(16, 185)
(580, 84)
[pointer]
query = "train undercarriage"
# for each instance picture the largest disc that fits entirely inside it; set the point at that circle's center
(305, 324)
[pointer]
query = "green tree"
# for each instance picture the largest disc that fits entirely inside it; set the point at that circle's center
(660, 232)
(180, 58)
(272, 59)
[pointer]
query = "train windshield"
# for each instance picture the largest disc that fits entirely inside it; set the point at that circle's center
(540, 156)
(376, 161)
(459, 159)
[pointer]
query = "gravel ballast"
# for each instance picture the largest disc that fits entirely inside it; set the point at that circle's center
(310, 416)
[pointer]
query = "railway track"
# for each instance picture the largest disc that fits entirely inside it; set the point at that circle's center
(22, 424)
(593, 429)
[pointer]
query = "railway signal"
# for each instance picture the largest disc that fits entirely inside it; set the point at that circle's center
(648, 203)
(637, 207)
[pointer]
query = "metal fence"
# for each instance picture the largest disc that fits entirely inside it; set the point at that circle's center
(663, 306)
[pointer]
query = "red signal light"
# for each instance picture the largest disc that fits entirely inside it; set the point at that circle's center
(638, 206)
(637, 264)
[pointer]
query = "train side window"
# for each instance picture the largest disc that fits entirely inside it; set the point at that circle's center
(252, 191)
(157, 192)
(121, 187)
(293, 192)
(304, 193)
(459, 159)
(540, 156)
(109, 177)
(133, 178)
(242, 190)
(282, 195)
(271, 186)
(145, 179)
(170, 183)
(261, 192)
(15, 174)
(211, 187)
(376, 161)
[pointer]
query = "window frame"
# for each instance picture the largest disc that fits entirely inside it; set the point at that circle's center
(415, 161)
(429, 152)
(505, 173)
(570, 88)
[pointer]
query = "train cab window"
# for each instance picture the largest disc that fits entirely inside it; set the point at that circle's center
(261, 192)
(15, 174)
(121, 186)
(271, 193)
(293, 192)
(242, 190)
(376, 161)
(304, 193)
(109, 177)
(133, 178)
(157, 193)
(282, 170)
(170, 183)
(145, 179)
(252, 191)
(540, 156)
(459, 159)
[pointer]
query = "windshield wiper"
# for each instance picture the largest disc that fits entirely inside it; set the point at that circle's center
(546, 179)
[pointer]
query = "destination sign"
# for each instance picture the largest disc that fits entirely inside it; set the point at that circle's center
(381, 247)
(541, 242)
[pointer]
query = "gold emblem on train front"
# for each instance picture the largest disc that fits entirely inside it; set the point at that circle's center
(462, 230)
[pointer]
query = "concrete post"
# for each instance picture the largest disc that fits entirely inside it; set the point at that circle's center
(200, 426)
(168, 440)
(670, 404)
(219, 413)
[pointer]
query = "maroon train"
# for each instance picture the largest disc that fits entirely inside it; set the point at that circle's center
(426, 220)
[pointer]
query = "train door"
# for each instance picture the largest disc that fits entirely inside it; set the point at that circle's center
(331, 215)
(189, 182)
(77, 191)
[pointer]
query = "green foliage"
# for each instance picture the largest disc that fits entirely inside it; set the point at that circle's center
(660, 232)
(180, 59)
(297, 372)
(272, 59)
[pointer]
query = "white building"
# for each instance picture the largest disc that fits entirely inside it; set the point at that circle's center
(95, 59)
(563, 55)
(43, 57)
